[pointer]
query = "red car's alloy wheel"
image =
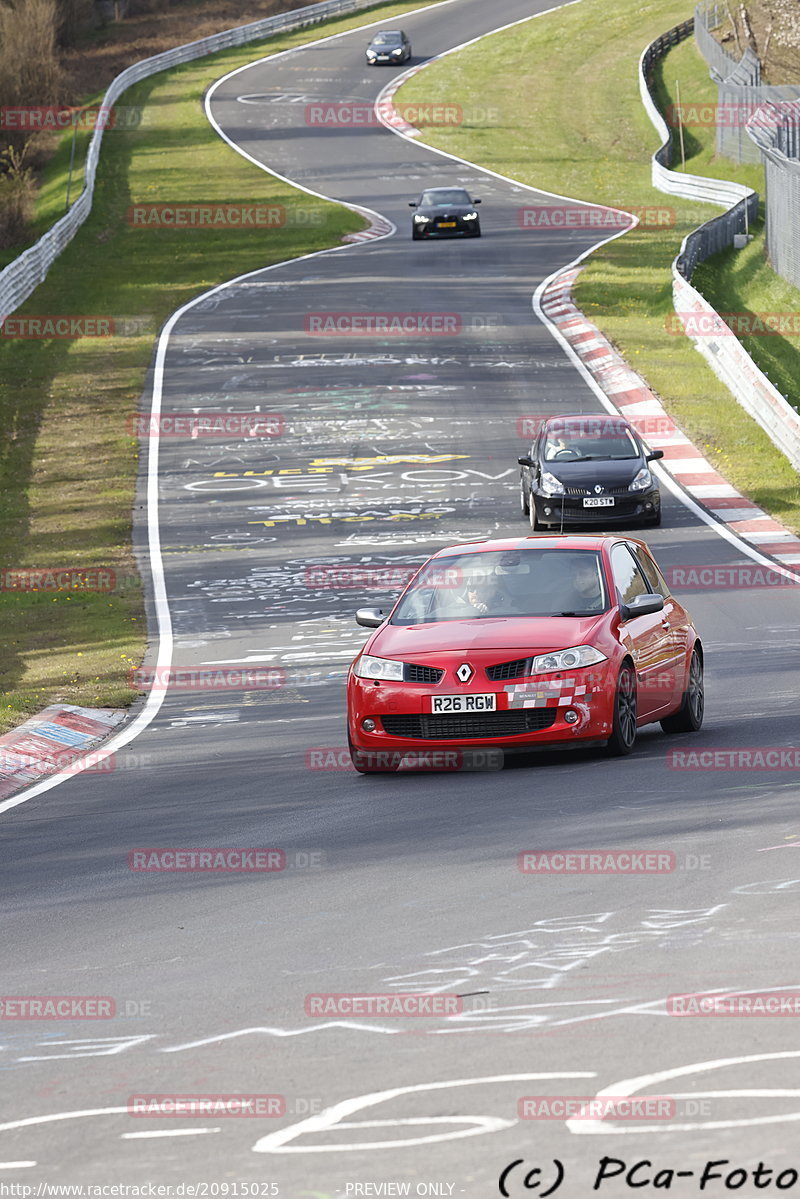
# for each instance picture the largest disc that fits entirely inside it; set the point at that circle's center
(623, 737)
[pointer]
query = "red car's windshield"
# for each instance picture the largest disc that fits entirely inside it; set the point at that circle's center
(527, 582)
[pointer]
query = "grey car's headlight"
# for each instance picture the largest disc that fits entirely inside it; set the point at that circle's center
(378, 668)
(551, 485)
(642, 481)
(419, 219)
(567, 659)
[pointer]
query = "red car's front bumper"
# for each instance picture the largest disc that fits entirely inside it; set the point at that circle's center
(545, 710)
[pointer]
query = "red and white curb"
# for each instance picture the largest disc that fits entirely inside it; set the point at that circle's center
(378, 227)
(385, 110)
(628, 392)
(51, 741)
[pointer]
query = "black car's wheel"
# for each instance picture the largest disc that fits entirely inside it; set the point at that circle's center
(415, 236)
(689, 717)
(477, 232)
(371, 763)
(653, 522)
(535, 523)
(623, 736)
(524, 506)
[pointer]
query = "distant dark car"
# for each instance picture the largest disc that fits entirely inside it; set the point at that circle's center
(589, 470)
(444, 212)
(390, 45)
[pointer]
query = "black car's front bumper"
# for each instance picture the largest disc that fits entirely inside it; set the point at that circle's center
(461, 229)
(632, 508)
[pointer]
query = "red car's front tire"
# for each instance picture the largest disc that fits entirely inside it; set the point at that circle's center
(623, 736)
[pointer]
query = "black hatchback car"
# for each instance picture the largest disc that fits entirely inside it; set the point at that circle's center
(444, 212)
(390, 45)
(589, 470)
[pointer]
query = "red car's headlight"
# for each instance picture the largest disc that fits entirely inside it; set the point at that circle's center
(366, 667)
(567, 659)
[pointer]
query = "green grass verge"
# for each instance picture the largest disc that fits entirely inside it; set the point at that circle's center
(562, 112)
(67, 461)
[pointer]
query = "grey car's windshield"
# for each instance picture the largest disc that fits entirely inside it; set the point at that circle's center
(387, 39)
(505, 583)
(565, 446)
(444, 197)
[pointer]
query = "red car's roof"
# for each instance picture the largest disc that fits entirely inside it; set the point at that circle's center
(575, 541)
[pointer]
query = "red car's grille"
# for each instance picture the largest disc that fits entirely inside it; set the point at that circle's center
(471, 724)
(508, 670)
(421, 674)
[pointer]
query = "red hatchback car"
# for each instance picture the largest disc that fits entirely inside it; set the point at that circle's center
(521, 643)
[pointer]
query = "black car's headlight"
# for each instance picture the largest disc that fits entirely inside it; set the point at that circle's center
(642, 481)
(470, 216)
(419, 219)
(550, 485)
(399, 50)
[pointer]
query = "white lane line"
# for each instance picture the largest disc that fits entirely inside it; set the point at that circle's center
(167, 1132)
(15, 1165)
(632, 1086)
(335, 1117)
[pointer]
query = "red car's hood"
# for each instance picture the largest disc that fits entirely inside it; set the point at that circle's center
(459, 636)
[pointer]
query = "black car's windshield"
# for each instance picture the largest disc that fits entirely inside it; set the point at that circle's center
(502, 583)
(565, 446)
(387, 39)
(444, 197)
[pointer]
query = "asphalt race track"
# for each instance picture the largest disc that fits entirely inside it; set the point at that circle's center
(389, 448)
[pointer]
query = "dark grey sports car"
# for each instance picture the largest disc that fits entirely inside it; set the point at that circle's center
(390, 45)
(444, 212)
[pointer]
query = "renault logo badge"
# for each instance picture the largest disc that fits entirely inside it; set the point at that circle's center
(464, 672)
(597, 488)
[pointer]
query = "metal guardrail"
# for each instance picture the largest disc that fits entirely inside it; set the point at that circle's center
(775, 132)
(724, 353)
(29, 269)
(740, 91)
